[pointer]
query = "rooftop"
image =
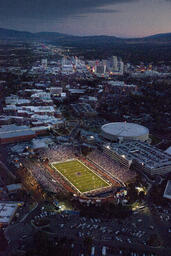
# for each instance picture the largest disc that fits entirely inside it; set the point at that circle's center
(7, 211)
(124, 129)
(9, 131)
(143, 153)
(167, 192)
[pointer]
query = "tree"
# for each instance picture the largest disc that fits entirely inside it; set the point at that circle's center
(88, 244)
(3, 241)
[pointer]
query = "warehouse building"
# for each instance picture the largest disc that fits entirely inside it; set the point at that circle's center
(7, 212)
(13, 133)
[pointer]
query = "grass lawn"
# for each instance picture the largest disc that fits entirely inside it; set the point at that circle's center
(80, 176)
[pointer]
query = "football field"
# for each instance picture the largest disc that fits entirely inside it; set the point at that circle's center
(80, 176)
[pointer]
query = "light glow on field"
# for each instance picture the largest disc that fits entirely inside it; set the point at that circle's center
(81, 177)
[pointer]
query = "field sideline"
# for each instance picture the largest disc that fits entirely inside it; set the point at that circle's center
(81, 177)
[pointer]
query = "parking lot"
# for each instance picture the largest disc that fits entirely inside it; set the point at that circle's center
(135, 230)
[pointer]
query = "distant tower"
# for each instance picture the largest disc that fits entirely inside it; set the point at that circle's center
(44, 63)
(64, 61)
(105, 65)
(76, 61)
(100, 68)
(115, 63)
(121, 67)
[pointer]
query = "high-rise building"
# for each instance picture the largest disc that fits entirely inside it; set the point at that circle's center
(64, 61)
(44, 63)
(115, 63)
(121, 67)
(100, 68)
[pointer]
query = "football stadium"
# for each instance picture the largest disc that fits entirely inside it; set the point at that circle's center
(81, 177)
(96, 176)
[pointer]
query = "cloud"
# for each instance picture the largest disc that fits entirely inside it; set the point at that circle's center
(54, 9)
(104, 10)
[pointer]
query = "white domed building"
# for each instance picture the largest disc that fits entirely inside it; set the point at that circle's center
(124, 131)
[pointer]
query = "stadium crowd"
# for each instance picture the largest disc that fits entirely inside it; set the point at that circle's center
(58, 153)
(43, 177)
(41, 173)
(112, 167)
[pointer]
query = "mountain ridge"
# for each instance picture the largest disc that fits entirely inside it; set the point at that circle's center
(9, 34)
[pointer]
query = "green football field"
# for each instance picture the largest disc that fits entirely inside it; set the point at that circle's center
(80, 176)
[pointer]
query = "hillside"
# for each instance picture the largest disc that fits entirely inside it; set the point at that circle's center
(9, 34)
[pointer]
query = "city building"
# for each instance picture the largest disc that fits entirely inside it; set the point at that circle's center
(123, 131)
(7, 212)
(13, 133)
(167, 191)
(143, 157)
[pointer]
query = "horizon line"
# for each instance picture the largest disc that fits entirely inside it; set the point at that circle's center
(88, 35)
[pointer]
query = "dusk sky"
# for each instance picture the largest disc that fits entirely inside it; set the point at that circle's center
(125, 18)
